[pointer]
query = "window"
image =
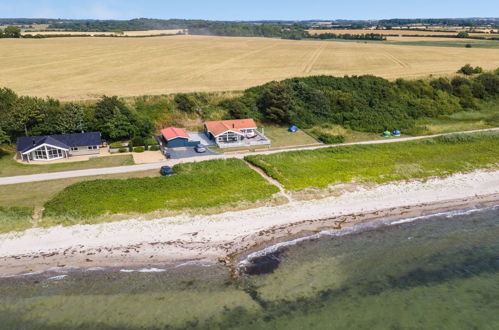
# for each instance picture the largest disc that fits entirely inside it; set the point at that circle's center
(40, 154)
(92, 147)
(48, 153)
(74, 149)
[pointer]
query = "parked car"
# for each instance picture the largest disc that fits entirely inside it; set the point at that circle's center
(200, 148)
(166, 171)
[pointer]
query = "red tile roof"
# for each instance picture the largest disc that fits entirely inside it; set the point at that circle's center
(171, 133)
(221, 126)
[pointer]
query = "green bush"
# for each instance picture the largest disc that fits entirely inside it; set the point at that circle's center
(138, 149)
(122, 150)
(150, 142)
(138, 141)
(154, 148)
(330, 138)
(116, 145)
(456, 138)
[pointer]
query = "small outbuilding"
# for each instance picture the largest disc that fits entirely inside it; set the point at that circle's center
(177, 137)
(293, 129)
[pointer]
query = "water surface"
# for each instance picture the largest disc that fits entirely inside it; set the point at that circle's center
(438, 272)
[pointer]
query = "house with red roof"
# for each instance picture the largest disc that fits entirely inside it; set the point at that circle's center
(176, 137)
(235, 133)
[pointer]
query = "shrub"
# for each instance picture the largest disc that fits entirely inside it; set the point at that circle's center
(122, 150)
(456, 138)
(154, 148)
(466, 70)
(138, 141)
(138, 149)
(150, 142)
(330, 138)
(116, 145)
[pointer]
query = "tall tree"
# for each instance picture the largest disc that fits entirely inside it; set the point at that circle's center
(4, 138)
(27, 112)
(12, 32)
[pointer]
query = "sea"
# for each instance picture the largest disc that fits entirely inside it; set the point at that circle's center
(433, 272)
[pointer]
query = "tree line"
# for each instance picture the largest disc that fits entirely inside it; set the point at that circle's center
(26, 115)
(363, 103)
(348, 36)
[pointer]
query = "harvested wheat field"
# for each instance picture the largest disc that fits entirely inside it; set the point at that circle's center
(384, 32)
(126, 33)
(86, 68)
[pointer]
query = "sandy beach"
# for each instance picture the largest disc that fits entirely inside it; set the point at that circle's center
(228, 236)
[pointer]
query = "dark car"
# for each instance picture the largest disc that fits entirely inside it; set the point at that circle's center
(200, 148)
(166, 171)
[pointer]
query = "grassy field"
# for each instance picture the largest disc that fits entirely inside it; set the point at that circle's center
(19, 202)
(486, 116)
(9, 167)
(280, 137)
(86, 68)
(196, 186)
(299, 170)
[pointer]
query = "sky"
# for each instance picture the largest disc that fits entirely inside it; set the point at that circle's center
(248, 9)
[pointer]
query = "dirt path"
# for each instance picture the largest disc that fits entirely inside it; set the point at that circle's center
(272, 181)
(156, 166)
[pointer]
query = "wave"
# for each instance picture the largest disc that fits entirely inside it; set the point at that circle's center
(273, 251)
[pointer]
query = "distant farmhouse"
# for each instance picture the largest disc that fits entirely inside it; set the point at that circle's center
(235, 133)
(53, 147)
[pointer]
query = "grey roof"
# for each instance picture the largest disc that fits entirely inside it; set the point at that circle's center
(64, 141)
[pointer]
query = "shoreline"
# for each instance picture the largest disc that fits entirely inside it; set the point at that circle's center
(230, 237)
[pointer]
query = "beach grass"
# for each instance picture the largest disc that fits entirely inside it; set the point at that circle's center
(9, 167)
(195, 186)
(298, 170)
(15, 218)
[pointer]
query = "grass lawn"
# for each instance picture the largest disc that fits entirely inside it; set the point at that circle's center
(196, 186)
(280, 137)
(298, 170)
(9, 167)
(19, 201)
(486, 116)
(349, 134)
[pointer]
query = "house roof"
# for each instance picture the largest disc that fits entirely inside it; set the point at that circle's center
(171, 133)
(221, 126)
(64, 141)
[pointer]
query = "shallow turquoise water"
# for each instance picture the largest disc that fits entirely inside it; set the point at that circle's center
(441, 272)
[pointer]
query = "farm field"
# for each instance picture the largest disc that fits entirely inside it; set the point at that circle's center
(298, 170)
(87, 68)
(397, 32)
(125, 33)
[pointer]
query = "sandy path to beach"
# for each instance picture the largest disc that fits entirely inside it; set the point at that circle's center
(202, 237)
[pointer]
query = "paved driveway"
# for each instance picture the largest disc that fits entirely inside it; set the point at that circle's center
(180, 153)
(201, 137)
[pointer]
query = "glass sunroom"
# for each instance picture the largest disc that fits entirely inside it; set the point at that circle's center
(46, 152)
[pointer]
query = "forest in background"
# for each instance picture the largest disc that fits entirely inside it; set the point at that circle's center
(361, 103)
